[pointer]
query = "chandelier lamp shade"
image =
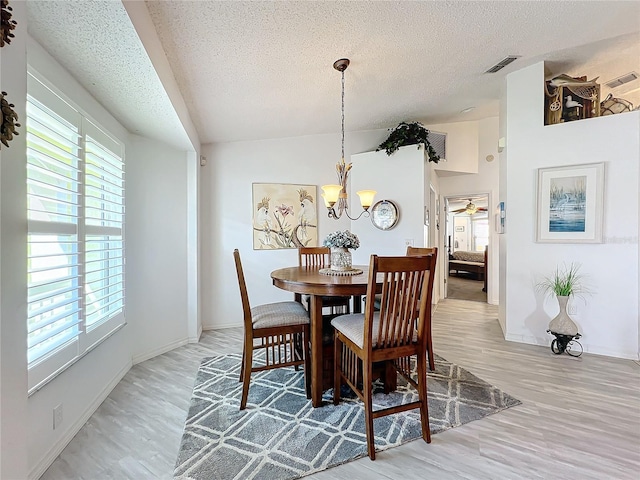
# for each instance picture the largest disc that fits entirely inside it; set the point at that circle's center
(335, 196)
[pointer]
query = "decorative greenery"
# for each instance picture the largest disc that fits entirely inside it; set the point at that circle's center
(409, 134)
(344, 239)
(564, 282)
(9, 120)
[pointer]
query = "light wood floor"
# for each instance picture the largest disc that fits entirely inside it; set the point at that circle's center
(580, 418)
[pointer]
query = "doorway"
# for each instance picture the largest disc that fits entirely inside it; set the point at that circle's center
(467, 244)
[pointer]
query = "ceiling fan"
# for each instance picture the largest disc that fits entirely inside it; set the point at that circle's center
(471, 209)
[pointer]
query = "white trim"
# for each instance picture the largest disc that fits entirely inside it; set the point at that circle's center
(159, 351)
(45, 462)
(221, 326)
(590, 349)
(197, 338)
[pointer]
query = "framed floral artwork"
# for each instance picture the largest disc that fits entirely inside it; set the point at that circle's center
(570, 204)
(284, 216)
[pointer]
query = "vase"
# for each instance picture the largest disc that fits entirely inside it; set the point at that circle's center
(340, 259)
(562, 322)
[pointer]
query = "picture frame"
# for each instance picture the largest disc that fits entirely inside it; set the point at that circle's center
(284, 216)
(570, 204)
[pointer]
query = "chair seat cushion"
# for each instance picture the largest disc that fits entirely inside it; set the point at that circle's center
(352, 327)
(279, 314)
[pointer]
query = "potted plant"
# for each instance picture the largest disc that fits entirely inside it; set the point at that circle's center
(409, 134)
(564, 283)
(340, 243)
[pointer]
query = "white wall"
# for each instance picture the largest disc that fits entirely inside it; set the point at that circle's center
(13, 265)
(157, 254)
(609, 321)
(485, 181)
(400, 178)
(157, 312)
(462, 147)
(226, 212)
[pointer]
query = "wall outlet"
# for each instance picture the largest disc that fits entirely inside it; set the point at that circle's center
(57, 416)
(408, 242)
(572, 310)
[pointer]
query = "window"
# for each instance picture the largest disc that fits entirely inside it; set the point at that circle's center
(75, 212)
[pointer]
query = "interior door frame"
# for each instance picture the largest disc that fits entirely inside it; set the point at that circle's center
(444, 238)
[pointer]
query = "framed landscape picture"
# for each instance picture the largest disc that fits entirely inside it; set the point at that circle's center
(284, 216)
(570, 204)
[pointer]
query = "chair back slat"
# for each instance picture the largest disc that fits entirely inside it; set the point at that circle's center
(418, 251)
(314, 257)
(407, 284)
(244, 295)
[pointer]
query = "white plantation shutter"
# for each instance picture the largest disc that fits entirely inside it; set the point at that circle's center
(75, 212)
(104, 218)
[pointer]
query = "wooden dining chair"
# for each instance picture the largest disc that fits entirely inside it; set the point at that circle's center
(394, 334)
(272, 327)
(416, 252)
(320, 257)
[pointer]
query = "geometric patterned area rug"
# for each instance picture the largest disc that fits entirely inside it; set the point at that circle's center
(281, 436)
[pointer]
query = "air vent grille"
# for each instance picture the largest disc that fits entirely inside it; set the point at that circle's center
(626, 78)
(439, 142)
(503, 63)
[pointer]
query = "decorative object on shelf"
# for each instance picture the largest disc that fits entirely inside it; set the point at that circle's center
(284, 216)
(570, 204)
(568, 98)
(333, 194)
(612, 105)
(409, 134)
(340, 243)
(9, 121)
(563, 284)
(385, 215)
(6, 24)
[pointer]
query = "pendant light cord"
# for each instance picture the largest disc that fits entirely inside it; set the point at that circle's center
(342, 115)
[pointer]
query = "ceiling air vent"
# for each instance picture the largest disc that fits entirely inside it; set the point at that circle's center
(503, 63)
(626, 78)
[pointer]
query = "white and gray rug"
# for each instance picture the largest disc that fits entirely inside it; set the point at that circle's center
(281, 436)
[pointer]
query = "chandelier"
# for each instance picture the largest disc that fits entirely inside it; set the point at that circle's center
(337, 194)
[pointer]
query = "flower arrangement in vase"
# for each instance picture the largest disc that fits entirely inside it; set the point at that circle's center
(564, 283)
(340, 243)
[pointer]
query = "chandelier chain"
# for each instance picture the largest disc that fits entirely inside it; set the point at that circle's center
(342, 115)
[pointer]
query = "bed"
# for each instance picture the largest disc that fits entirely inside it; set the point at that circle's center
(469, 262)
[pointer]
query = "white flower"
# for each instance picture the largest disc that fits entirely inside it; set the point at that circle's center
(344, 239)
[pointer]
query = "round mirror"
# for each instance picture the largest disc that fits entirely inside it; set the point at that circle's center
(384, 214)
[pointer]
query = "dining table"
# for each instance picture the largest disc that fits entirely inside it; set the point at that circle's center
(308, 280)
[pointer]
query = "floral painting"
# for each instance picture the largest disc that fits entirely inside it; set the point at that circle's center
(284, 216)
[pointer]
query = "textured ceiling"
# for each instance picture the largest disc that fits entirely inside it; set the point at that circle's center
(255, 70)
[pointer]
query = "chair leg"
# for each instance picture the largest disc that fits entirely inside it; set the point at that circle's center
(432, 364)
(367, 391)
(337, 368)
(246, 372)
(307, 360)
(422, 393)
(242, 366)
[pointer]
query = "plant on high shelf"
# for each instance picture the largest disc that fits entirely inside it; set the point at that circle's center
(564, 283)
(409, 134)
(340, 243)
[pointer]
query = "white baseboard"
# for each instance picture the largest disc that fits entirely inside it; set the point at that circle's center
(159, 351)
(591, 349)
(221, 326)
(197, 338)
(38, 470)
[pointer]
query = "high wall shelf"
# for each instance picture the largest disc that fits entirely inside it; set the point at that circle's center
(570, 99)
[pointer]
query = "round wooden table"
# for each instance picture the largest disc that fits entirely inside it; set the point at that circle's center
(309, 281)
